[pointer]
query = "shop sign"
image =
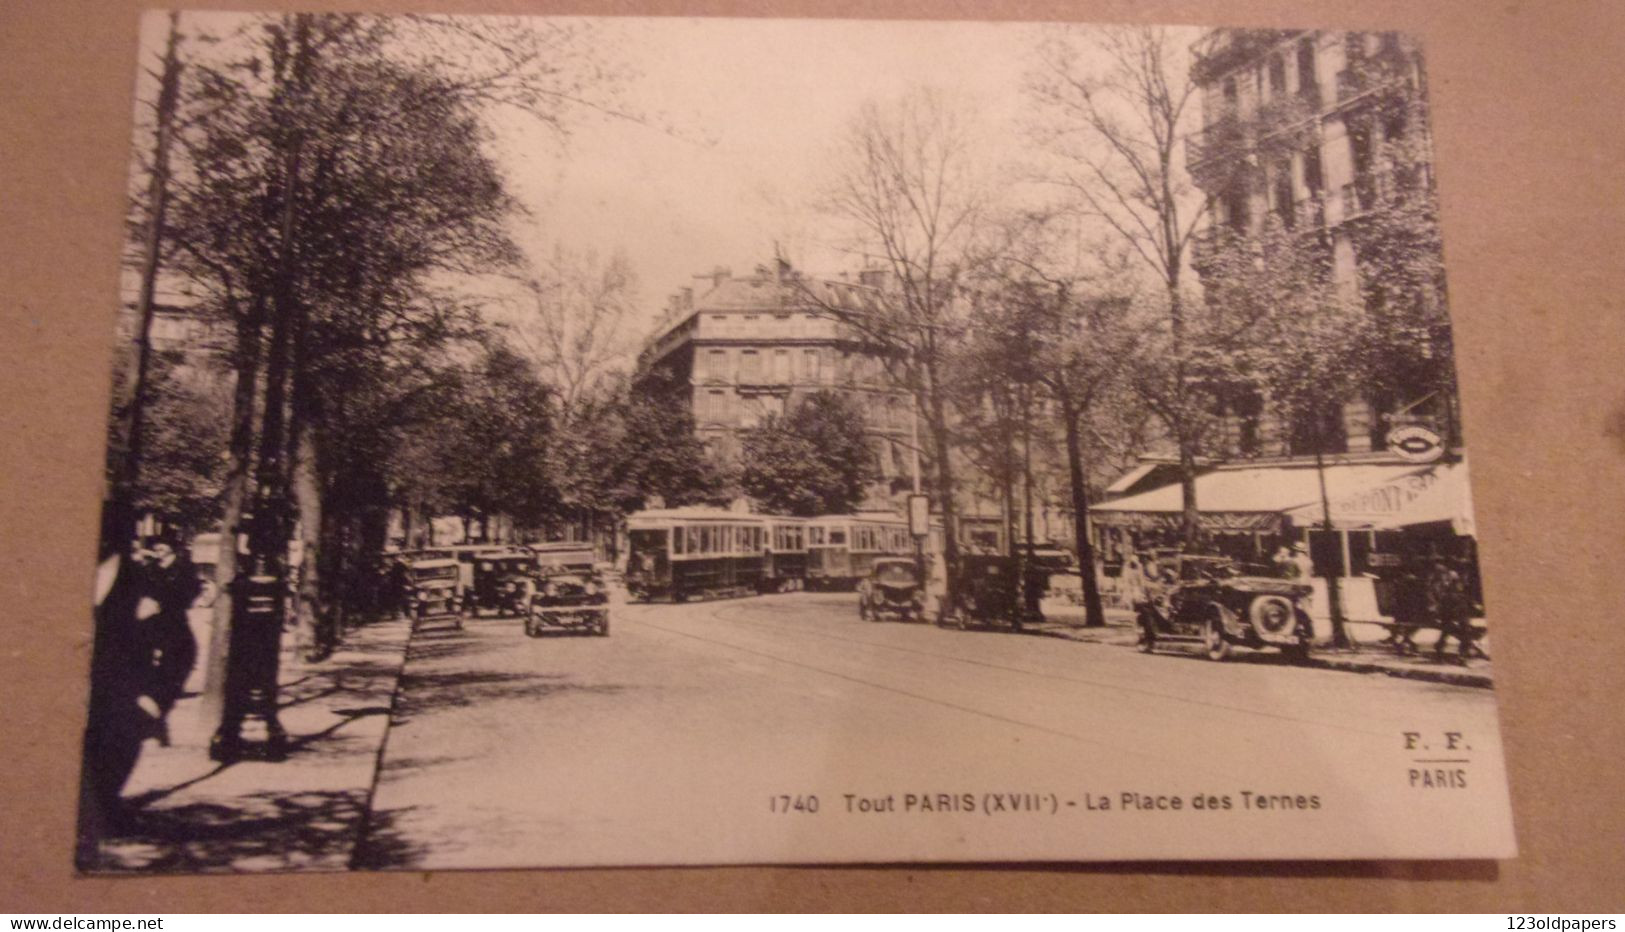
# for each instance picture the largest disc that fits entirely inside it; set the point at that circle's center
(1415, 443)
(919, 515)
(1386, 500)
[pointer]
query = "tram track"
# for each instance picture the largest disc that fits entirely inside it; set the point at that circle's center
(1118, 748)
(717, 615)
(1112, 734)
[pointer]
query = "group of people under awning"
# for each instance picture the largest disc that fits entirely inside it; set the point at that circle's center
(1401, 534)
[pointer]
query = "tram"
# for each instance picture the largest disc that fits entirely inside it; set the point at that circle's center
(841, 549)
(784, 566)
(679, 553)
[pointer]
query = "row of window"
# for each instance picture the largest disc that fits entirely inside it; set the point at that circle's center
(718, 539)
(776, 324)
(727, 407)
(737, 539)
(759, 366)
(783, 365)
(864, 538)
(1375, 171)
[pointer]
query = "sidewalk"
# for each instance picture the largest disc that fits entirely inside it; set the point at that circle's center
(1366, 656)
(304, 813)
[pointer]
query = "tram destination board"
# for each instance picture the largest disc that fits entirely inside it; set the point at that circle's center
(537, 445)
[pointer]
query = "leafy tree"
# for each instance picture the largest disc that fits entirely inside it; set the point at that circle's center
(182, 468)
(331, 189)
(815, 460)
(656, 452)
(782, 470)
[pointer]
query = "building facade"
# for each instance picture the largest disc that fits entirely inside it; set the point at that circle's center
(738, 350)
(1322, 136)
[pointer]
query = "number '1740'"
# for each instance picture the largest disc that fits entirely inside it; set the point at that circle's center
(784, 803)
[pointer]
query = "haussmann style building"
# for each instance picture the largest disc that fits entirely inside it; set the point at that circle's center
(739, 349)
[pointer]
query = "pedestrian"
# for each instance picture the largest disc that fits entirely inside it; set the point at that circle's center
(123, 710)
(1132, 578)
(395, 587)
(173, 583)
(1284, 567)
(1447, 601)
(1302, 567)
(1410, 610)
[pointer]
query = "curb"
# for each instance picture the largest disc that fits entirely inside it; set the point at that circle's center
(1115, 636)
(1447, 677)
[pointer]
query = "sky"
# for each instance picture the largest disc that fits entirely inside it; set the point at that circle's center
(756, 110)
(744, 117)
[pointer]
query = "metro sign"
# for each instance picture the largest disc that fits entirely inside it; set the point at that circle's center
(1415, 444)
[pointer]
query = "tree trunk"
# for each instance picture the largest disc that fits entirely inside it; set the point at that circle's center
(129, 477)
(1007, 502)
(234, 493)
(311, 637)
(1191, 515)
(406, 527)
(1094, 615)
(938, 428)
(1334, 594)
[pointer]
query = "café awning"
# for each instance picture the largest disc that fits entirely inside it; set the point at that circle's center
(1436, 494)
(1248, 498)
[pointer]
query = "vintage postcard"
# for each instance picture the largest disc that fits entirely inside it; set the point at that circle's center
(552, 442)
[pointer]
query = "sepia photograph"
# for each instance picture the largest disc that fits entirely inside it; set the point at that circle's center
(562, 441)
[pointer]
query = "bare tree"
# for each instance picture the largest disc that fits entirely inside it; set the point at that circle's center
(914, 200)
(576, 328)
(1114, 110)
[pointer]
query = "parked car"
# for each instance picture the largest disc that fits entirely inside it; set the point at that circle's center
(1209, 600)
(431, 586)
(502, 583)
(572, 597)
(988, 591)
(893, 585)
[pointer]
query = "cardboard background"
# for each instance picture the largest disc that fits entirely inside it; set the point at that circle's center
(1531, 165)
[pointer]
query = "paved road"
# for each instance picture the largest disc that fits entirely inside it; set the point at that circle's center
(667, 741)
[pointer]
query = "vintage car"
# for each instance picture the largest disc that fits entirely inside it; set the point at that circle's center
(466, 556)
(431, 586)
(892, 586)
(502, 583)
(1209, 600)
(988, 591)
(569, 596)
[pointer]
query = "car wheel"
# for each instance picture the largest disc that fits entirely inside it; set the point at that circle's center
(1271, 615)
(1213, 640)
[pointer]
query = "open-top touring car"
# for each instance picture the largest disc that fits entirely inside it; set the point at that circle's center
(1208, 600)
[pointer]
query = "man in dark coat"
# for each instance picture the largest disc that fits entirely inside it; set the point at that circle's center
(141, 654)
(173, 650)
(1447, 598)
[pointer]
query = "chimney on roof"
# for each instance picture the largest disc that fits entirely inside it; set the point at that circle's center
(717, 276)
(685, 298)
(876, 278)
